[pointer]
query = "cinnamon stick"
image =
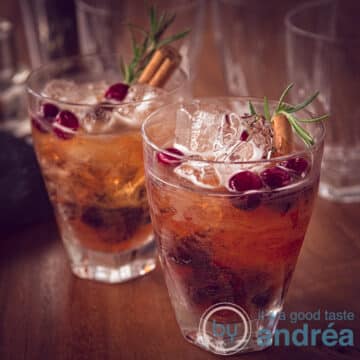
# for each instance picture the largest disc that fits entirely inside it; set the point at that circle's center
(160, 67)
(283, 136)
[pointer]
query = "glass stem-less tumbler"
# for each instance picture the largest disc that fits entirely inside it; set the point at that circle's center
(89, 149)
(323, 53)
(227, 256)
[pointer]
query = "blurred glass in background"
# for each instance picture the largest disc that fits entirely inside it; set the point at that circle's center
(50, 29)
(23, 199)
(250, 36)
(12, 81)
(102, 25)
(323, 53)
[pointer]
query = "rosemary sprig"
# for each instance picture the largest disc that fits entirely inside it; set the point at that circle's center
(151, 41)
(288, 111)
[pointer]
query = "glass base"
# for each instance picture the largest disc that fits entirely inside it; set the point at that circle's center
(347, 194)
(340, 174)
(112, 267)
(259, 338)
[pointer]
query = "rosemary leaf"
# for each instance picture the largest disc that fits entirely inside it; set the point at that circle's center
(173, 38)
(152, 40)
(303, 134)
(305, 103)
(266, 109)
(316, 119)
(251, 108)
(283, 95)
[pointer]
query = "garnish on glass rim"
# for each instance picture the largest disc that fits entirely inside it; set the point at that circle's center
(283, 121)
(152, 41)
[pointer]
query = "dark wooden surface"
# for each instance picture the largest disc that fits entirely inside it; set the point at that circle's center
(47, 313)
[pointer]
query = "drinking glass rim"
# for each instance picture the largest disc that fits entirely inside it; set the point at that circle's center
(94, 9)
(73, 59)
(310, 34)
(310, 149)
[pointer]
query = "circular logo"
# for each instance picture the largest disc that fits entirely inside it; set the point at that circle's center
(225, 337)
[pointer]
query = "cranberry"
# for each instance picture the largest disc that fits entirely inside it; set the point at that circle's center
(244, 135)
(49, 111)
(297, 164)
(65, 120)
(282, 202)
(117, 92)
(246, 202)
(168, 159)
(47, 115)
(275, 177)
(245, 180)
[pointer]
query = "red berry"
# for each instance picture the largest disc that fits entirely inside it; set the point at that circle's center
(297, 164)
(245, 180)
(246, 202)
(49, 111)
(275, 177)
(65, 124)
(47, 115)
(244, 135)
(168, 159)
(117, 92)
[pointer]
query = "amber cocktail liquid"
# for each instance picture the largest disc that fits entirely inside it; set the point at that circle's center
(86, 132)
(229, 223)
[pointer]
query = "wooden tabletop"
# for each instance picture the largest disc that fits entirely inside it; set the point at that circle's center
(47, 313)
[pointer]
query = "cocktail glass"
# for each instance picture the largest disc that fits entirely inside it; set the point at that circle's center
(227, 256)
(90, 153)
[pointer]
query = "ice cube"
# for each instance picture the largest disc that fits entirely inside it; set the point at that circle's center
(261, 134)
(245, 151)
(88, 93)
(92, 92)
(98, 119)
(141, 92)
(59, 89)
(209, 131)
(199, 173)
(139, 102)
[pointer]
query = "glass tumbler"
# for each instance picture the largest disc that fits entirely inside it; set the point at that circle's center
(227, 257)
(250, 37)
(323, 53)
(91, 159)
(103, 24)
